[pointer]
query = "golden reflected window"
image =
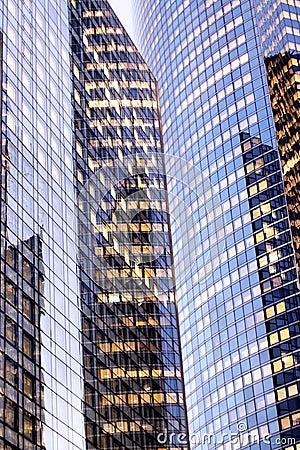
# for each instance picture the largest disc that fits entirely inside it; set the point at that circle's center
(11, 331)
(11, 293)
(285, 423)
(28, 308)
(28, 345)
(28, 384)
(11, 414)
(11, 372)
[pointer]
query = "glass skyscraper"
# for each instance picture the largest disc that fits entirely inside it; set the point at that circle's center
(228, 77)
(41, 377)
(89, 348)
(132, 367)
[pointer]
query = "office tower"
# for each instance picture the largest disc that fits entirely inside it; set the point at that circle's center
(132, 369)
(41, 383)
(228, 77)
(89, 344)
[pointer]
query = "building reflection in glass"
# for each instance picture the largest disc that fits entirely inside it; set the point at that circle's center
(41, 388)
(132, 370)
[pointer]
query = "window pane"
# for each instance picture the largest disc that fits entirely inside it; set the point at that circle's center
(11, 372)
(11, 293)
(28, 385)
(27, 271)
(28, 308)
(28, 345)
(11, 331)
(11, 414)
(28, 426)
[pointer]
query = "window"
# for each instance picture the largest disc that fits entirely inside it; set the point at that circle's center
(28, 426)
(11, 372)
(28, 384)
(11, 331)
(11, 414)
(89, 395)
(27, 271)
(90, 432)
(28, 345)
(11, 293)
(9, 447)
(28, 308)
(11, 257)
(285, 423)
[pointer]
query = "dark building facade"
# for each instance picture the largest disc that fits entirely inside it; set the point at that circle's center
(284, 84)
(132, 367)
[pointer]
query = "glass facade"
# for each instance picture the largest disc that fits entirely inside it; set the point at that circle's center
(89, 347)
(132, 367)
(229, 90)
(41, 379)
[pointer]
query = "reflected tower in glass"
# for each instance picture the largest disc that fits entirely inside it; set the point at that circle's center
(132, 367)
(228, 78)
(41, 379)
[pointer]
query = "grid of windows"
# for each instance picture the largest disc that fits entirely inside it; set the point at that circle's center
(284, 83)
(132, 369)
(239, 325)
(40, 351)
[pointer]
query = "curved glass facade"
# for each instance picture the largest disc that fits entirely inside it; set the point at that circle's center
(41, 380)
(238, 307)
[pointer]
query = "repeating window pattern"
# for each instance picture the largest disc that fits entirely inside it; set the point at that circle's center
(22, 406)
(132, 369)
(239, 327)
(284, 84)
(278, 275)
(40, 352)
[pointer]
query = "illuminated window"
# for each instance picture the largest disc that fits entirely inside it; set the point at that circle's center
(79, 148)
(77, 96)
(296, 419)
(259, 237)
(288, 361)
(285, 423)
(11, 372)
(28, 384)
(11, 414)
(28, 426)
(76, 71)
(89, 395)
(293, 390)
(281, 394)
(11, 293)
(28, 308)
(27, 270)
(277, 365)
(270, 312)
(280, 307)
(28, 345)
(284, 334)
(11, 331)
